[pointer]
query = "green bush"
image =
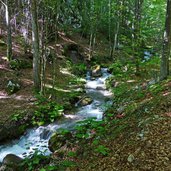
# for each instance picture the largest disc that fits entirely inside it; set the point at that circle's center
(12, 86)
(79, 69)
(47, 112)
(17, 64)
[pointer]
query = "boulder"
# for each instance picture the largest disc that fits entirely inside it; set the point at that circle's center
(96, 71)
(45, 134)
(11, 159)
(11, 162)
(58, 140)
(12, 128)
(84, 101)
(100, 88)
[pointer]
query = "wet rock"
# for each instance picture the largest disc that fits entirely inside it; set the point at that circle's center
(58, 140)
(74, 52)
(84, 101)
(12, 159)
(100, 88)
(45, 134)
(11, 162)
(96, 71)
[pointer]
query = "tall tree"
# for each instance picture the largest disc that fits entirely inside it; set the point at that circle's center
(164, 69)
(36, 52)
(137, 32)
(8, 25)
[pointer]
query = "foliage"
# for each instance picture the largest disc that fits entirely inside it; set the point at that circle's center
(47, 112)
(17, 64)
(155, 88)
(102, 150)
(88, 128)
(16, 117)
(116, 68)
(34, 161)
(79, 69)
(12, 86)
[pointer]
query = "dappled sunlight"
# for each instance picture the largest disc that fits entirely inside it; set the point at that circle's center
(166, 93)
(66, 39)
(17, 48)
(131, 81)
(168, 114)
(3, 67)
(147, 100)
(27, 81)
(58, 89)
(65, 71)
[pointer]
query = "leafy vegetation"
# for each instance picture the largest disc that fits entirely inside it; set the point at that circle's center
(47, 112)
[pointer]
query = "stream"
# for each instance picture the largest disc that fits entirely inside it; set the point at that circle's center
(37, 138)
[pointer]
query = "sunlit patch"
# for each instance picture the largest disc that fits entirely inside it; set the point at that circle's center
(71, 116)
(5, 58)
(27, 81)
(3, 93)
(131, 81)
(166, 93)
(65, 71)
(168, 114)
(146, 100)
(55, 88)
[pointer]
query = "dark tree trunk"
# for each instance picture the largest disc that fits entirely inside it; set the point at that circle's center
(164, 69)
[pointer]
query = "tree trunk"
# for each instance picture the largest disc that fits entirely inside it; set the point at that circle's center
(137, 33)
(35, 40)
(164, 68)
(9, 37)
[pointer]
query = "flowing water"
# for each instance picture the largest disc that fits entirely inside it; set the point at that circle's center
(37, 138)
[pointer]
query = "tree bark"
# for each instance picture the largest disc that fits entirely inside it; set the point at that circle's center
(9, 36)
(164, 68)
(137, 33)
(36, 53)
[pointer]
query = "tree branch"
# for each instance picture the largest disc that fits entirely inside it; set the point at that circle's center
(3, 3)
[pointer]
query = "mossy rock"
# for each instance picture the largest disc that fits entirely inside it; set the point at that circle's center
(96, 71)
(11, 161)
(58, 140)
(12, 86)
(85, 101)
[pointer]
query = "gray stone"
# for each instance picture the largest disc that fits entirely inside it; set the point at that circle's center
(11, 162)
(84, 101)
(12, 159)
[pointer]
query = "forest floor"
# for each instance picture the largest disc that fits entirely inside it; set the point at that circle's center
(138, 129)
(137, 134)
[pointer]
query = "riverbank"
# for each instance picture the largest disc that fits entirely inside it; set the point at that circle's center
(22, 100)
